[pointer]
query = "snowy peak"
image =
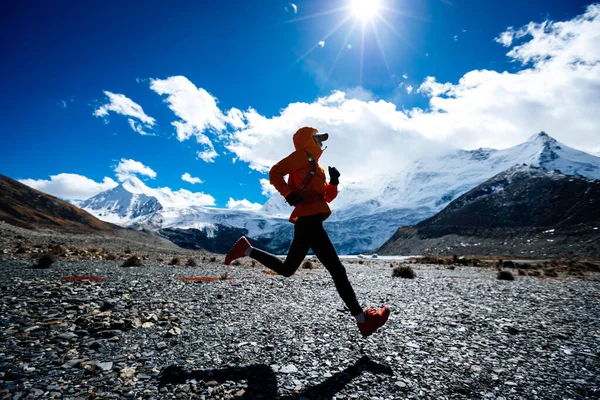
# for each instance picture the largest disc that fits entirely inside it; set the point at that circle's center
(119, 204)
(544, 151)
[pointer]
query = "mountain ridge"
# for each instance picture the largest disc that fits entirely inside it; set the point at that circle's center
(366, 214)
(524, 210)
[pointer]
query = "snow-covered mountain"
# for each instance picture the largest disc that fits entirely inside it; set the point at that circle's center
(120, 206)
(365, 214)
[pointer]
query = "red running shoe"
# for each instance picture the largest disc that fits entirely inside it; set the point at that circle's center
(237, 251)
(374, 319)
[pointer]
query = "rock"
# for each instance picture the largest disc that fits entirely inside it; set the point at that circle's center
(67, 336)
(105, 366)
(175, 331)
(73, 363)
(512, 330)
(96, 345)
(161, 345)
(289, 369)
(107, 334)
(107, 305)
(127, 373)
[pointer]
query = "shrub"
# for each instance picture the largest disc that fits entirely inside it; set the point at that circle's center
(58, 250)
(21, 249)
(361, 262)
(551, 273)
(505, 276)
(521, 272)
(111, 257)
(160, 259)
(174, 261)
(224, 276)
(132, 261)
(508, 264)
(253, 263)
(237, 263)
(213, 259)
(94, 250)
(128, 251)
(534, 273)
(307, 265)
(46, 261)
(404, 271)
(451, 267)
(191, 262)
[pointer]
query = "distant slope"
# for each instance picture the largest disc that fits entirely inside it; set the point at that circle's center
(522, 211)
(23, 206)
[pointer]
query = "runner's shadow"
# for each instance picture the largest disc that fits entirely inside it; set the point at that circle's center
(262, 381)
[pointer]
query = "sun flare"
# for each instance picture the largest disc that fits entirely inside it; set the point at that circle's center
(365, 9)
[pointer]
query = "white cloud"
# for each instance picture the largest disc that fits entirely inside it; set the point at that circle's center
(128, 168)
(267, 188)
(188, 178)
(456, 38)
(138, 127)
(367, 138)
(170, 198)
(120, 104)
(243, 205)
(558, 91)
(322, 43)
(432, 88)
(70, 186)
(409, 89)
(405, 76)
(62, 104)
(207, 155)
(198, 112)
(292, 7)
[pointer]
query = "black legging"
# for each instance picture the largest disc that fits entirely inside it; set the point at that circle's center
(310, 234)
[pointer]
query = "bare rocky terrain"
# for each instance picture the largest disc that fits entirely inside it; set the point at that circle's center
(144, 333)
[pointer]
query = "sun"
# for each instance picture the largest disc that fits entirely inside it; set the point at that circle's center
(365, 10)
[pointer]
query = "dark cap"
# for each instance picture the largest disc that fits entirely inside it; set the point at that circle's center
(321, 136)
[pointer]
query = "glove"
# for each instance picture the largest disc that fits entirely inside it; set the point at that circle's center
(334, 176)
(293, 199)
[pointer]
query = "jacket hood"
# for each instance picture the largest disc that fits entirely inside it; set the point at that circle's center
(303, 140)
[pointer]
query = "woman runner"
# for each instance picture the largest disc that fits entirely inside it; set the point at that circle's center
(308, 192)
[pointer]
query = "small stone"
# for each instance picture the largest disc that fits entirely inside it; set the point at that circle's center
(127, 373)
(161, 345)
(289, 369)
(475, 368)
(105, 366)
(96, 345)
(212, 383)
(67, 336)
(72, 363)
(175, 331)
(147, 325)
(509, 383)
(512, 330)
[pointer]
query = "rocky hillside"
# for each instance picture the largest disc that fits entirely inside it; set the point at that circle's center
(32, 217)
(26, 207)
(525, 211)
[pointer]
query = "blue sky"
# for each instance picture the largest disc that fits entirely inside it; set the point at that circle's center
(60, 58)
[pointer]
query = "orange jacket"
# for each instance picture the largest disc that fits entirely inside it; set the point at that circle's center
(318, 192)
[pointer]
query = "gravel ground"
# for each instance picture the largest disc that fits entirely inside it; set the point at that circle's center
(142, 333)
